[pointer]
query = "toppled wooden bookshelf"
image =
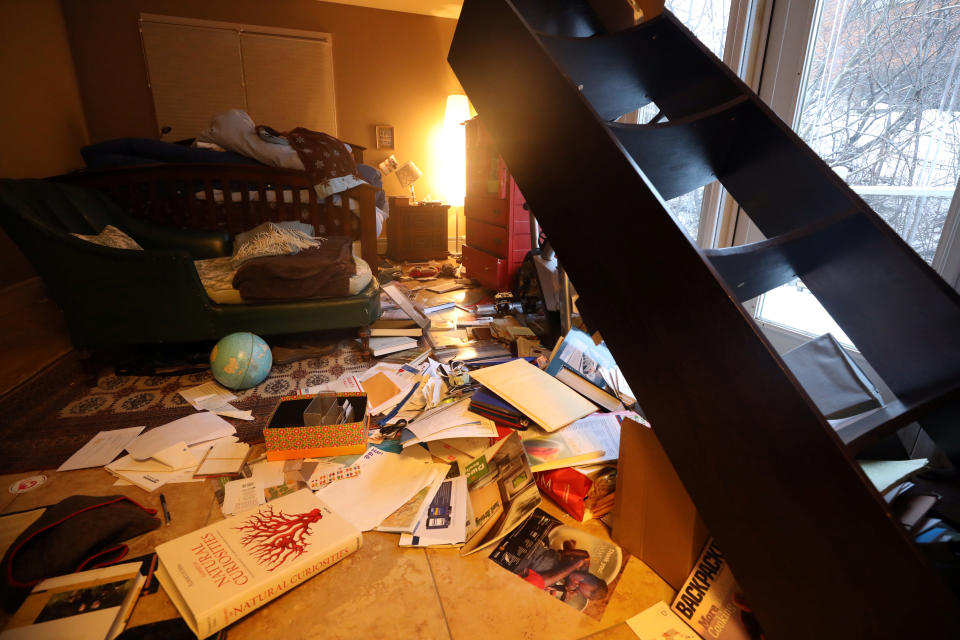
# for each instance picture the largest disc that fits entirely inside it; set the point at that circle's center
(810, 540)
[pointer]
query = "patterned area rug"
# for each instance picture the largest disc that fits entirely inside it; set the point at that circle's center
(50, 433)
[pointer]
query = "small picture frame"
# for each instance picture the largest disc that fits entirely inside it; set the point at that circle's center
(385, 139)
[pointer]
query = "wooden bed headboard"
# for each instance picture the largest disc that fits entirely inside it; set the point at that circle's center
(233, 197)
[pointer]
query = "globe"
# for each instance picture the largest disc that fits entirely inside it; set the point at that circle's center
(240, 360)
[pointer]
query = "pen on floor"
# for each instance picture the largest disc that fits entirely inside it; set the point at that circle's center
(166, 514)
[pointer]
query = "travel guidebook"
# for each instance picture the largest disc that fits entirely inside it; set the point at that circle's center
(573, 566)
(222, 572)
(711, 602)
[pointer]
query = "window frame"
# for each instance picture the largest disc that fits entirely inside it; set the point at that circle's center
(779, 68)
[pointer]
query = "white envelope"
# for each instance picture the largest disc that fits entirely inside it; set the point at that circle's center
(177, 456)
(192, 429)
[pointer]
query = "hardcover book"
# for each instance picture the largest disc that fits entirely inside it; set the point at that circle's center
(222, 572)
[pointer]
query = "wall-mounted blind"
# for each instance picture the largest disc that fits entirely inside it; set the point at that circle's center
(197, 68)
(289, 82)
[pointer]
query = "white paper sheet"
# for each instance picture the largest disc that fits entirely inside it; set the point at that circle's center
(211, 397)
(177, 456)
(151, 474)
(659, 622)
(192, 429)
(102, 449)
(386, 481)
(405, 518)
(345, 384)
(242, 495)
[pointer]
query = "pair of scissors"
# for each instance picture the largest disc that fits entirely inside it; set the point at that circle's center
(391, 430)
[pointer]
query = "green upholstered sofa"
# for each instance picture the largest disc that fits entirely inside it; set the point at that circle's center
(118, 296)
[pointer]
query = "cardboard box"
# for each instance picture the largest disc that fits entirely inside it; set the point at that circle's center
(288, 438)
(654, 518)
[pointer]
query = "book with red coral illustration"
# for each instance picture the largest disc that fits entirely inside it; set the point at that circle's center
(218, 574)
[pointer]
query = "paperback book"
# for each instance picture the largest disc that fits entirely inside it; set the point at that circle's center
(569, 564)
(710, 601)
(220, 573)
(91, 604)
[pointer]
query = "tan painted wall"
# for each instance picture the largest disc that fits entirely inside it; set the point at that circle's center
(41, 118)
(390, 68)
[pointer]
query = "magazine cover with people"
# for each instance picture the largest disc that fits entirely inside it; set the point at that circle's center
(573, 566)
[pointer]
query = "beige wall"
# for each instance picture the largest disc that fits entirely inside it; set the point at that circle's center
(41, 118)
(390, 68)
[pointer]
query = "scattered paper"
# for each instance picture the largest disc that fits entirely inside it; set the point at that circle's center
(344, 384)
(660, 623)
(223, 459)
(207, 396)
(176, 457)
(402, 379)
(405, 519)
(379, 389)
(102, 449)
(386, 481)
(192, 429)
(543, 398)
(323, 472)
(212, 397)
(150, 474)
(242, 495)
(444, 523)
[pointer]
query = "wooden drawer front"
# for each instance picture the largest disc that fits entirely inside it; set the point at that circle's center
(489, 270)
(486, 173)
(426, 222)
(490, 210)
(488, 237)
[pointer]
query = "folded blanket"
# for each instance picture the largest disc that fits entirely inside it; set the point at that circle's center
(321, 272)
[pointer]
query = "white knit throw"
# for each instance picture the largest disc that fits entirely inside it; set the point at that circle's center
(275, 241)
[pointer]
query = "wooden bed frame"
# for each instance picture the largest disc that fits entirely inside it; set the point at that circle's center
(233, 197)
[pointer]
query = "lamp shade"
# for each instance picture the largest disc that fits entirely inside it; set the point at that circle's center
(408, 173)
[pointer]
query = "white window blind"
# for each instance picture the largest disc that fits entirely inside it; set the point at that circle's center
(194, 72)
(289, 82)
(197, 68)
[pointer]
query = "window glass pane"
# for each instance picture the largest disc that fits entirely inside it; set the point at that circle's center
(881, 105)
(707, 19)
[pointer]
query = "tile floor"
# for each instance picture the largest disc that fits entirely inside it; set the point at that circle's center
(382, 591)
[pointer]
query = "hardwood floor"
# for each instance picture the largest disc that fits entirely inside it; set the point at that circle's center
(32, 333)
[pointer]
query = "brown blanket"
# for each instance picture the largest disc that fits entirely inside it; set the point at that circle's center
(321, 272)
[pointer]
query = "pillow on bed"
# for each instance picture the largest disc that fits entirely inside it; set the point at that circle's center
(110, 236)
(235, 131)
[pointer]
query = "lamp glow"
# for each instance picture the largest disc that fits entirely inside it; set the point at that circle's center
(454, 134)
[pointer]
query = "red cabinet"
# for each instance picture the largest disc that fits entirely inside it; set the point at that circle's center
(498, 225)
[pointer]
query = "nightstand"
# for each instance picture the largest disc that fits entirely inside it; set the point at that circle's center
(416, 231)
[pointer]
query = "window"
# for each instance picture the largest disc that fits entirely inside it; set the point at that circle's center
(874, 88)
(724, 26)
(198, 68)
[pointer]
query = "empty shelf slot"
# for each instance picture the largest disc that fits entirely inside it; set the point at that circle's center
(779, 181)
(929, 410)
(756, 268)
(575, 19)
(682, 155)
(653, 61)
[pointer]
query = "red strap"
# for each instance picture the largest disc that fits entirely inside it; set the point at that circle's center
(16, 583)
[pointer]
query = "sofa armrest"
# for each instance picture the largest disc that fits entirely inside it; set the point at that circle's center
(198, 244)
